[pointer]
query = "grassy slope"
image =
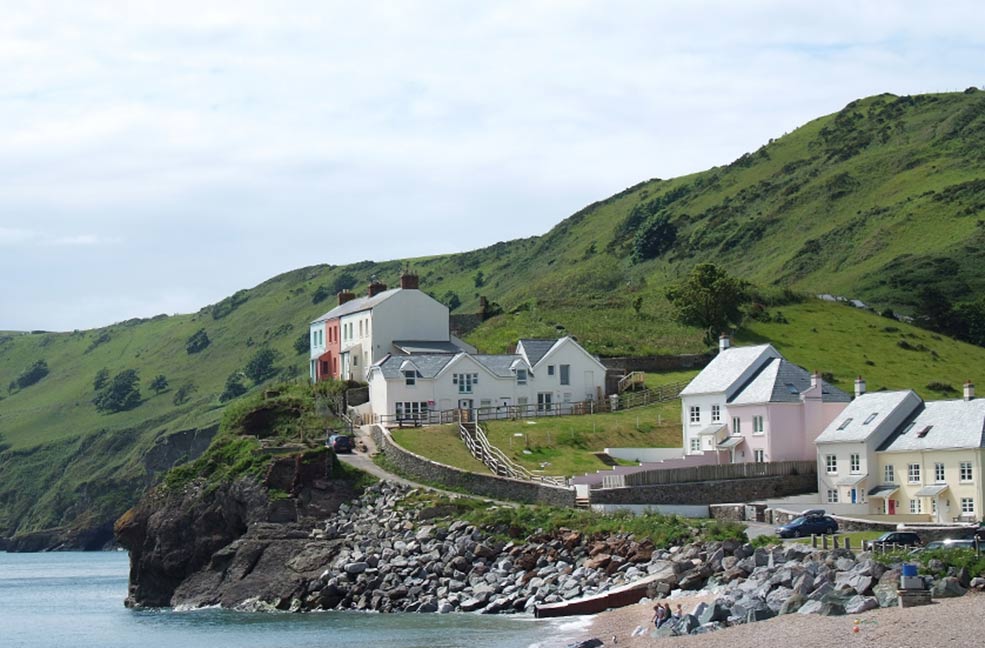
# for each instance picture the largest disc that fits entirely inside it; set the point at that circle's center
(856, 203)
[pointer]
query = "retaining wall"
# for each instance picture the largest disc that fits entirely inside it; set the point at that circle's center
(658, 363)
(709, 492)
(424, 469)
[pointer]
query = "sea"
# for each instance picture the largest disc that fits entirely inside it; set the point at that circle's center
(75, 600)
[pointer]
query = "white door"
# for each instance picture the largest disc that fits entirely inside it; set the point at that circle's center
(465, 403)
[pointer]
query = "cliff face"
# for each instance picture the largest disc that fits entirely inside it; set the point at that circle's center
(202, 545)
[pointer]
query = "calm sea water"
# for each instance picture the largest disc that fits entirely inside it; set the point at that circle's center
(75, 600)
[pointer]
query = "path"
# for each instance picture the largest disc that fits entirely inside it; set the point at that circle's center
(364, 460)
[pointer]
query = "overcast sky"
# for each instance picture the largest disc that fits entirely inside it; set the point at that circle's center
(156, 157)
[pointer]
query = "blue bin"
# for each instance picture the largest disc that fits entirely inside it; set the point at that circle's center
(909, 570)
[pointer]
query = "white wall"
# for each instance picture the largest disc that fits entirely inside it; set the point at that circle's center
(407, 315)
(704, 401)
(586, 374)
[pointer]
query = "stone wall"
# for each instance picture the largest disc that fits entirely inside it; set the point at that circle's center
(709, 492)
(657, 363)
(927, 532)
(418, 467)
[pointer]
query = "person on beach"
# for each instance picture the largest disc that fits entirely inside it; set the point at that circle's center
(658, 615)
(668, 615)
(678, 613)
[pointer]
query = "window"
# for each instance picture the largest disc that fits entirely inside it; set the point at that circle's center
(550, 370)
(757, 425)
(854, 463)
(758, 456)
(871, 417)
(410, 410)
(465, 382)
(735, 425)
(966, 474)
(939, 473)
(889, 474)
(695, 445)
(831, 464)
(544, 401)
(521, 401)
(521, 376)
(410, 378)
(916, 505)
(832, 496)
(933, 506)
(565, 374)
(360, 328)
(968, 505)
(845, 423)
(695, 414)
(716, 413)
(913, 473)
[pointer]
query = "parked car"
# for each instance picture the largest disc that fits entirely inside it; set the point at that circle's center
(340, 443)
(890, 538)
(814, 522)
(949, 543)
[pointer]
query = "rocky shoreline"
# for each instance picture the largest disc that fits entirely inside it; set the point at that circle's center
(378, 553)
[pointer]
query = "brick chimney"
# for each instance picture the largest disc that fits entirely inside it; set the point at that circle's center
(409, 281)
(375, 288)
(859, 386)
(969, 391)
(724, 342)
(346, 295)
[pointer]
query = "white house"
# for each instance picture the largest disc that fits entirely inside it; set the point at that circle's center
(346, 340)
(541, 374)
(846, 449)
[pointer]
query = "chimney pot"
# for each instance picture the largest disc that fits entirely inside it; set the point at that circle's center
(724, 342)
(375, 288)
(409, 281)
(345, 295)
(815, 378)
(859, 386)
(969, 391)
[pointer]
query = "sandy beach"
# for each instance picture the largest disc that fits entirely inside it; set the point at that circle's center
(954, 622)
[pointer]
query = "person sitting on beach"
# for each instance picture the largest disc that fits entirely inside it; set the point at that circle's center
(658, 615)
(668, 615)
(678, 613)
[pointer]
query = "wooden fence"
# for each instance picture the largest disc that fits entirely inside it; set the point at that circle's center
(478, 444)
(710, 473)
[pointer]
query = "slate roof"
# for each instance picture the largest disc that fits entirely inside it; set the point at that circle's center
(859, 410)
(727, 368)
(952, 424)
(781, 381)
(358, 304)
(536, 349)
(429, 365)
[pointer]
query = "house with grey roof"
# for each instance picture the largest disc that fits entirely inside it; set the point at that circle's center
(899, 455)
(543, 375)
(749, 404)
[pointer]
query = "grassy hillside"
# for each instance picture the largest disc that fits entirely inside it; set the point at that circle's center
(878, 201)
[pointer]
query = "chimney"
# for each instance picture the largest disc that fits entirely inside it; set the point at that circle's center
(969, 391)
(409, 281)
(375, 288)
(724, 342)
(859, 386)
(815, 378)
(346, 295)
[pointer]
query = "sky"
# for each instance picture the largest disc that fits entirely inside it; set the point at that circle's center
(156, 157)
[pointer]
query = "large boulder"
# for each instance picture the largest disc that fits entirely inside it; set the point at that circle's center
(947, 587)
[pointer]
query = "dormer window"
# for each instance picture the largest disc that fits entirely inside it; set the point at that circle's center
(792, 388)
(845, 423)
(521, 376)
(871, 417)
(410, 378)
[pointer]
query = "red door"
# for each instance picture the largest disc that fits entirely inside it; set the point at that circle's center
(891, 504)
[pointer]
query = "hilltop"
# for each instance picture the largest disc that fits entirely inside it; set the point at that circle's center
(879, 201)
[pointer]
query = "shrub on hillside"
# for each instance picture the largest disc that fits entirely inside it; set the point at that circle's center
(655, 237)
(100, 379)
(30, 376)
(303, 343)
(261, 366)
(234, 387)
(159, 384)
(120, 394)
(184, 393)
(198, 341)
(321, 294)
(229, 304)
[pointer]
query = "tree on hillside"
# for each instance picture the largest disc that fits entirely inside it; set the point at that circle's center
(120, 394)
(198, 341)
(303, 343)
(184, 393)
(655, 237)
(100, 379)
(234, 387)
(451, 300)
(261, 366)
(710, 298)
(344, 281)
(29, 376)
(159, 384)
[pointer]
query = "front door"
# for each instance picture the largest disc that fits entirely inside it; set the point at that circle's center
(544, 401)
(891, 507)
(465, 403)
(854, 496)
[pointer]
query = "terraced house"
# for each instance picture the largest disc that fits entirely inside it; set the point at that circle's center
(751, 405)
(892, 453)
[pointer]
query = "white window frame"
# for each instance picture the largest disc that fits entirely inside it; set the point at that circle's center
(695, 444)
(694, 414)
(465, 382)
(966, 472)
(410, 378)
(759, 455)
(736, 425)
(939, 473)
(831, 464)
(889, 474)
(550, 370)
(716, 413)
(832, 496)
(855, 463)
(757, 425)
(564, 372)
(916, 505)
(967, 505)
(913, 473)
(521, 376)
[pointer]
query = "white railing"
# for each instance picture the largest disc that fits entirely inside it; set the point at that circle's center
(494, 458)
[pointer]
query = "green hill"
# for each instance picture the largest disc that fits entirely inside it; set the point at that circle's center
(881, 201)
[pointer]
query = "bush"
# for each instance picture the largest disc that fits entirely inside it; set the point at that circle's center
(199, 341)
(321, 294)
(229, 304)
(120, 394)
(234, 387)
(32, 374)
(261, 366)
(159, 384)
(303, 343)
(451, 300)
(184, 393)
(655, 237)
(100, 379)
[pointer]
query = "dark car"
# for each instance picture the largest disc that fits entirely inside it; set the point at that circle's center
(805, 525)
(340, 443)
(890, 538)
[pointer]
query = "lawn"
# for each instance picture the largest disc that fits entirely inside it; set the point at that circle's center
(439, 443)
